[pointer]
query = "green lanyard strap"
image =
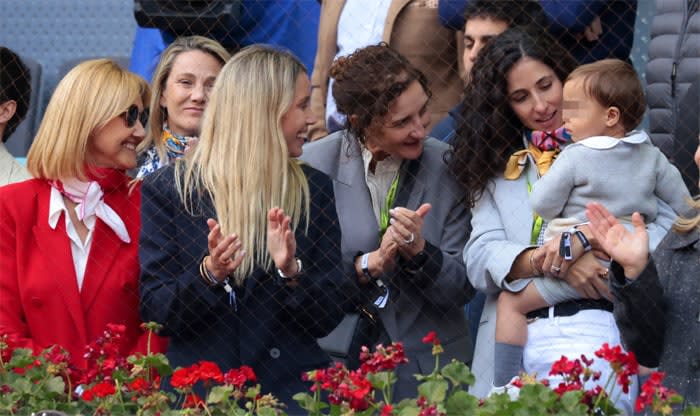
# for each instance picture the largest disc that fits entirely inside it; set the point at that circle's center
(536, 224)
(384, 213)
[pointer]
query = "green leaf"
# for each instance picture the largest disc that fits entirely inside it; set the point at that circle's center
(219, 394)
(55, 385)
(537, 395)
(461, 403)
(382, 379)
(21, 357)
(367, 412)
(305, 401)
(409, 411)
(160, 363)
(458, 373)
(22, 385)
(434, 391)
(497, 405)
(692, 411)
(266, 411)
(571, 400)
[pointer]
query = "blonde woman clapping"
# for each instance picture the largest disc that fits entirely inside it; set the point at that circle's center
(240, 249)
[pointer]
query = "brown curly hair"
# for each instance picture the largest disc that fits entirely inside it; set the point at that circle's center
(367, 81)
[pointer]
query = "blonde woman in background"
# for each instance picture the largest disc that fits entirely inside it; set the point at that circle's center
(69, 236)
(181, 85)
(240, 252)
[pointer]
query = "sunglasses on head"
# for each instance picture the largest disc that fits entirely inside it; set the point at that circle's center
(132, 114)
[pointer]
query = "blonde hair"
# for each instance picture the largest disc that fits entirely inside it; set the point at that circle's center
(241, 161)
(88, 97)
(158, 115)
(686, 225)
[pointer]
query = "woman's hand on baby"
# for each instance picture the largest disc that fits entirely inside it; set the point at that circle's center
(629, 249)
(589, 277)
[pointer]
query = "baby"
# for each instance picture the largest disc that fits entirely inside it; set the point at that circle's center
(609, 163)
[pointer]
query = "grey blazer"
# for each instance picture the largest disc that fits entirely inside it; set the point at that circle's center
(434, 299)
(501, 227)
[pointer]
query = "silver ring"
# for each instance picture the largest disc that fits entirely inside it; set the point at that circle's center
(556, 269)
(410, 240)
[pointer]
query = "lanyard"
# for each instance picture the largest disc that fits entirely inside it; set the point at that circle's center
(384, 212)
(537, 223)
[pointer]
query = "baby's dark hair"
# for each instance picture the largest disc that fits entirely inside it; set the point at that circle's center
(367, 81)
(15, 84)
(614, 83)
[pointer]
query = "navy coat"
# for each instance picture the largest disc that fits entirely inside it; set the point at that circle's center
(269, 327)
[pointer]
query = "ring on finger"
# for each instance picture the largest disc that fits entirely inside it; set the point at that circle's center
(556, 269)
(410, 239)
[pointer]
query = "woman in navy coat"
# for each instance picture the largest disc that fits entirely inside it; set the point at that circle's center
(240, 245)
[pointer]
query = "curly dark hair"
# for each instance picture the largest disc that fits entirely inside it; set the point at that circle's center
(15, 84)
(489, 131)
(367, 81)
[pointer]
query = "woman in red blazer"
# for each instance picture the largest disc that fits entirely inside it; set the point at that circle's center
(68, 237)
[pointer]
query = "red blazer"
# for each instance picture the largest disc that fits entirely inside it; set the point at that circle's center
(39, 297)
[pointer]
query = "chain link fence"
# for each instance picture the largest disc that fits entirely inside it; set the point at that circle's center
(431, 34)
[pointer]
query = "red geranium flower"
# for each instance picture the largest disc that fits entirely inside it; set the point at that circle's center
(138, 385)
(103, 389)
(238, 377)
(185, 378)
(192, 401)
(210, 371)
(87, 395)
(383, 358)
(431, 338)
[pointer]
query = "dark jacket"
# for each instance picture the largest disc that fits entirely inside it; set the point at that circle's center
(659, 313)
(567, 20)
(269, 326)
(446, 130)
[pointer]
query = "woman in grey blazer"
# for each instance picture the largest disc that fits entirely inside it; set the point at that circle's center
(402, 216)
(515, 96)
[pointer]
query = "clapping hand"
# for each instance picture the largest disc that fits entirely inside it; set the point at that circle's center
(281, 243)
(225, 254)
(630, 250)
(406, 229)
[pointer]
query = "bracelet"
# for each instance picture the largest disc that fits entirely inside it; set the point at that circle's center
(282, 275)
(206, 274)
(584, 241)
(565, 246)
(364, 265)
(535, 270)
